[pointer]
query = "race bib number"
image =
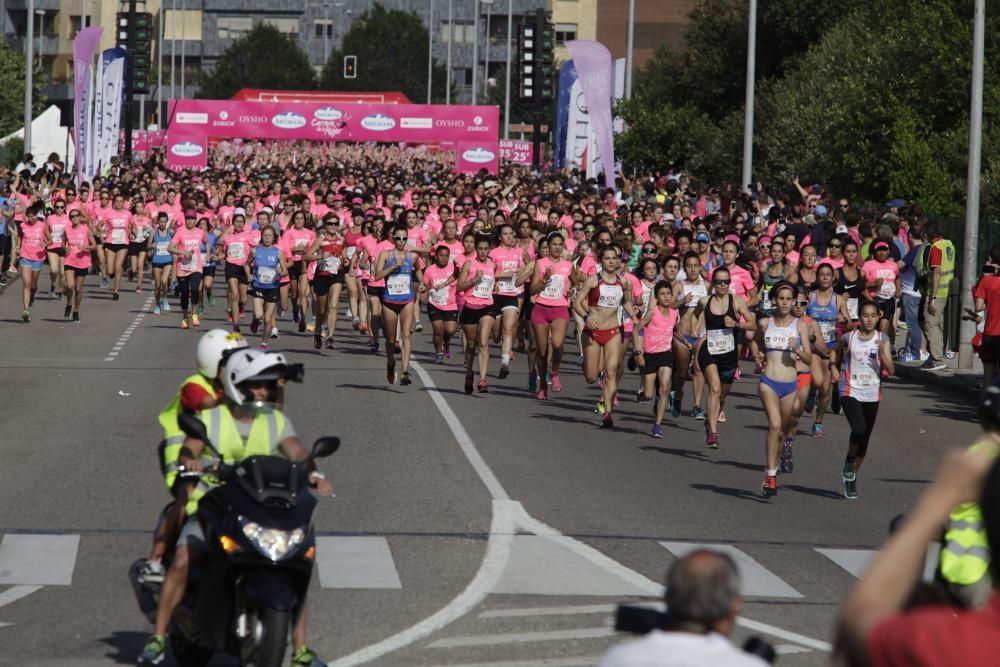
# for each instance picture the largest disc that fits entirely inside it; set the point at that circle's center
(852, 308)
(829, 331)
(720, 341)
(235, 251)
(118, 236)
(887, 290)
(57, 234)
(266, 275)
(350, 251)
(190, 263)
(609, 296)
(301, 243)
(864, 378)
(398, 284)
(777, 340)
(698, 291)
(484, 288)
(161, 247)
(554, 287)
(765, 300)
(330, 265)
(506, 286)
(438, 297)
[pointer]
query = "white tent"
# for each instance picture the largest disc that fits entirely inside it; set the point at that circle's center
(48, 136)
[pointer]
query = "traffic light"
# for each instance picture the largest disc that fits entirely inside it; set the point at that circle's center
(547, 61)
(536, 59)
(137, 40)
(350, 67)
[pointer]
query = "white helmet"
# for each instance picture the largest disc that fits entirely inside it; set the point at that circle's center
(212, 346)
(246, 365)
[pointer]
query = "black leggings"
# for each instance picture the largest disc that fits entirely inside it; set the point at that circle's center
(190, 287)
(861, 417)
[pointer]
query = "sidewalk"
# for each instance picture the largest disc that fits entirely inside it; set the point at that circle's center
(964, 380)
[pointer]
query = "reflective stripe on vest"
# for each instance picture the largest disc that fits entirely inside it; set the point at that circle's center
(965, 557)
(173, 436)
(947, 249)
(225, 436)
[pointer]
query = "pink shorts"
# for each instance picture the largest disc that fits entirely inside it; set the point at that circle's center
(543, 315)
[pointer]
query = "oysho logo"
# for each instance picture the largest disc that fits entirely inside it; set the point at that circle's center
(378, 122)
(288, 120)
(187, 149)
(253, 119)
(449, 122)
(328, 113)
(479, 155)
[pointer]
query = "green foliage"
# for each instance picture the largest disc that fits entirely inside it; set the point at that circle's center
(391, 47)
(915, 173)
(263, 58)
(12, 76)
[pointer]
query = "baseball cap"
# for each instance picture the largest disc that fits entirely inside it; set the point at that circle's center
(703, 237)
(841, 229)
(820, 211)
(880, 244)
(190, 213)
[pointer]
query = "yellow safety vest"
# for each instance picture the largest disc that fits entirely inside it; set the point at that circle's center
(173, 436)
(947, 249)
(220, 426)
(965, 557)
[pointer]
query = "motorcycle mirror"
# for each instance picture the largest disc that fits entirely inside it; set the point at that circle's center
(325, 447)
(195, 428)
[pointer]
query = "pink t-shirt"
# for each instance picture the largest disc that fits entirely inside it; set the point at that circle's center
(32, 241)
(56, 225)
(116, 224)
(188, 240)
(416, 237)
(142, 227)
(440, 296)
(885, 271)
(297, 241)
(588, 265)
(480, 294)
(76, 240)
(835, 263)
(742, 281)
(556, 288)
(237, 247)
(506, 260)
(380, 247)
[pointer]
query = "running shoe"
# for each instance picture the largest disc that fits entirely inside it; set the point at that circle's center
(311, 327)
(556, 384)
(254, 325)
(469, 382)
(447, 350)
(850, 485)
(640, 397)
(599, 408)
(152, 572)
(329, 343)
(154, 651)
(675, 404)
(607, 422)
(532, 381)
(631, 362)
(318, 341)
(156, 309)
(26, 316)
(295, 313)
(697, 413)
(104, 283)
(418, 327)
(356, 323)
(305, 657)
(483, 389)
(543, 393)
(657, 431)
(579, 360)
(736, 374)
(184, 323)
(817, 430)
(811, 402)
(138, 290)
(302, 325)
(211, 299)
(712, 440)
(263, 346)
(722, 416)
(76, 317)
(236, 328)
(405, 380)
(390, 373)
(786, 457)
(166, 305)
(67, 311)
(274, 332)
(115, 296)
(769, 487)
(195, 320)
(504, 371)
(201, 309)
(439, 358)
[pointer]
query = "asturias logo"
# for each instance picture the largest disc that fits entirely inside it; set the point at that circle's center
(378, 122)
(479, 155)
(288, 120)
(328, 113)
(187, 149)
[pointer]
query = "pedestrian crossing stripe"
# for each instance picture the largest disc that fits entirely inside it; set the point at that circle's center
(755, 579)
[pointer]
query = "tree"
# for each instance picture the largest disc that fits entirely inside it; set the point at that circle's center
(12, 90)
(391, 49)
(263, 58)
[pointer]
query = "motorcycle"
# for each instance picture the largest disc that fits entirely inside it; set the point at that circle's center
(248, 590)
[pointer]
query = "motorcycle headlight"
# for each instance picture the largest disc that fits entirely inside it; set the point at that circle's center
(272, 542)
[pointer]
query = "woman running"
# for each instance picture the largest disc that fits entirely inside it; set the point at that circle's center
(829, 310)
(77, 242)
(806, 269)
(264, 270)
(295, 240)
(186, 246)
(440, 282)
(397, 267)
(551, 281)
(510, 260)
(883, 283)
(233, 249)
(162, 262)
(208, 263)
(850, 283)
(479, 312)
(116, 222)
(725, 315)
(372, 248)
(56, 224)
(32, 238)
(806, 373)
(330, 251)
(598, 302)
(859, 362)
(690, 334)
(142, 227)
(654, 342)
(782, 341)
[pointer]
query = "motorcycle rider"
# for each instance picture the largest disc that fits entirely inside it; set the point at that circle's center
(199, 391)
(243, 425)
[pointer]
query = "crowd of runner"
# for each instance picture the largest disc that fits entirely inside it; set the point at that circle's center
(665, 278)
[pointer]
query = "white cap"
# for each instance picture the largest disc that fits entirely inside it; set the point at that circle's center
(239, 211)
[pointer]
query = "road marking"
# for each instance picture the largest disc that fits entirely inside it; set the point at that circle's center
(355, 562)
(549, 611)
(15, 593)
(787, 635)
(587, 661)
(855, 561)
(523, 637)
(789, 649)
(129, 330)
(756, 579)
(43, 560)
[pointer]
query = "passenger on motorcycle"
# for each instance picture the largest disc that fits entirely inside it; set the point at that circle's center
(245, 425)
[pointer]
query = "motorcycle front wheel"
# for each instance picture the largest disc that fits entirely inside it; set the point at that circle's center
(188, 654)
(267, 644)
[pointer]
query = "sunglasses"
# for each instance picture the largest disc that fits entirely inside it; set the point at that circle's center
(399, 238)
(649, 251)
(835, 245)
(578, 229)
(803, 303)
(721, 282)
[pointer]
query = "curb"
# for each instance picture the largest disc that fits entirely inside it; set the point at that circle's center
(967, 381)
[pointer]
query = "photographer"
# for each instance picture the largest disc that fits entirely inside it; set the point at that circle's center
(987, 315)
(702, 603)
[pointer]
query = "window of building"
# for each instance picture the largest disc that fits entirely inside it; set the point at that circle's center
(184, 25)
(286, 25)
(76, 24)
(465, 33)
(233, 27)
(323, 27)
(462, 76)
(565, 32)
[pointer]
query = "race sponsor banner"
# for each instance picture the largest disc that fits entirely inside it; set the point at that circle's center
(189, 153)
(593, 66)
(109, 112)
(577, 128)
(567, 77)
(143, 141)
(518, 152)
(470, 157)
(84, 46)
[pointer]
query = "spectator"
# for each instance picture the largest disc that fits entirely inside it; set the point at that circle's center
(939, 269)
(703, 601)
(909, 270)
(987, 297)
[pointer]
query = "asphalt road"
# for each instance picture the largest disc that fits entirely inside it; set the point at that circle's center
(466, 530)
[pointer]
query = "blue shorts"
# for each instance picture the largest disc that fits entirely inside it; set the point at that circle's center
(36, 265)
(781, 389)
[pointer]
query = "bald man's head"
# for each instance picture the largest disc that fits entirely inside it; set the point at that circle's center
(702, 587)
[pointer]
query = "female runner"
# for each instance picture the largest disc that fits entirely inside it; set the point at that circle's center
(233, 250)
(656, 337)
(806, 373)
(829, 310)
(77, 242)
(330, 250)
(806, 268)
(142, 227)
(296, 239)
(442, 310)
(397, 267)
(850, 283)
(162, 262)
(186, 246)
(32, 238)
(56, 224)
(551, 281)
(116, 222)
(372, 248)
(782, 341)
(208, 263)
(357, 304)
(690, 334)
(510, 260)
(476, 281)
(267, 264)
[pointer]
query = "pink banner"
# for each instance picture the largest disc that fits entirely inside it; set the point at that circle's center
(194, 120)
(187, 153)
(143, 141)
(518, 152)
(471, 156)
(84, 46)
(593, 66)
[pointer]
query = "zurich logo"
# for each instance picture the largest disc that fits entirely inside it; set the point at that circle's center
(479, 155)
(224, 115)
(187, 149)
(288, 120)
(378, 122)
(478, 120)
(328, 113)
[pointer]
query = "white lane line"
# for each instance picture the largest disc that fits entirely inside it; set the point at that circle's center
(789, 649)
(855, 561)
(523, 637)
(16, 593)
(355, 562)
(787, 635)
(756, 580)
(43, 560)
(129, 330)
(549, 611)
(583, 661)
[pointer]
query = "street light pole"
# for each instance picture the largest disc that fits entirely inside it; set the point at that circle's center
(183, 44)
(506, 95)
(748, 112)
(30, 61)
(430, 51)
(327, 27)
(173, 46)
(40, 13)
(486, 67)
(159, 72)
(970, 257)
(451, 38)
(629, 41)
(475, 49)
